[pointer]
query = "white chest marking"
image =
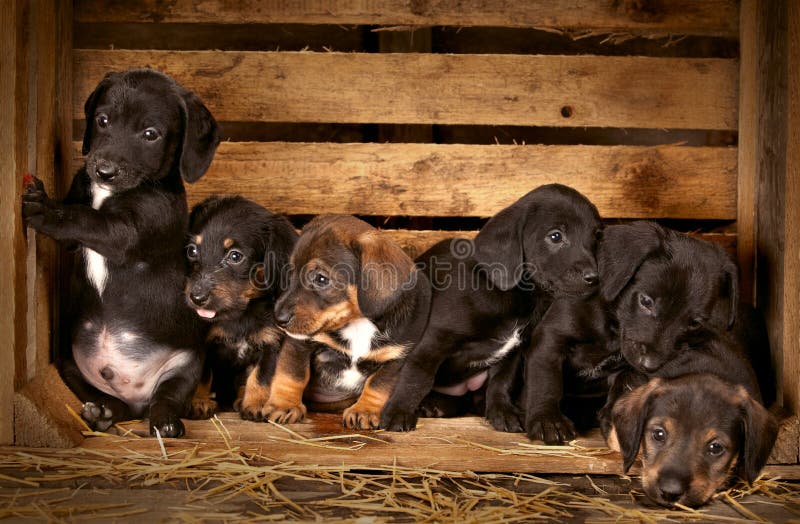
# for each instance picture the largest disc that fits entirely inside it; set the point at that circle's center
(242, 349)
(511, 342)
(96, 268)
(359, 334)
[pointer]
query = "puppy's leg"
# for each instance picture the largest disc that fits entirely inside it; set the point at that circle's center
(100, 411)
(172, 400)
(366, 412)
(292, 373)
(256, 392)
(203, 406)
(501, 412)
(439, 405)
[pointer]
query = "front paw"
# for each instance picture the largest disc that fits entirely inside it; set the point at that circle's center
(396, 419)
(40, 213)
(202, 408)
(504, 418)
(288, 414)
(361, 417)
(97, 415)
(168, 426)
(552, 428)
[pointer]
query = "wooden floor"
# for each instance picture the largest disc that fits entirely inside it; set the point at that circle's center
(454, 470)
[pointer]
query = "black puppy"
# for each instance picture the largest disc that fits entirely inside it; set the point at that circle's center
(135, 344)
(664, 302)
(239, 257)
(484, 305)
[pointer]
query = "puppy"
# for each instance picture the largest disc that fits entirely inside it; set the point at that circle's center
(135, 345)
(486, 302)
(665, 304)
(355, 292)
(690, 430)
(239, 261)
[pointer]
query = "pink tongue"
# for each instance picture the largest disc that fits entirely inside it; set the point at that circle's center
(206, 313)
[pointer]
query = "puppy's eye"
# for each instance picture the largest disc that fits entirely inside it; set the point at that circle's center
(191, 252)
(658, 434)
(715, 449)
(320, 280)
(555, 236)
(695, 323)
(150, 134)
(102, 120)
(235, 257)
(645, 301)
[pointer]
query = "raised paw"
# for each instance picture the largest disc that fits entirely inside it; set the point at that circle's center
(358, 417)
(98, 416)
(505, 419)
(168, 426)
(202, 408)
(552, 428)
(284, 414)
(395, 419)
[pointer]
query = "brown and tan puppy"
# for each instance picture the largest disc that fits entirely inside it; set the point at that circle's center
(690, 430)
(357, 304)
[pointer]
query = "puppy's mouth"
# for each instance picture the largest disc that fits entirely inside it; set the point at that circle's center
(636, 353)
(206, 313)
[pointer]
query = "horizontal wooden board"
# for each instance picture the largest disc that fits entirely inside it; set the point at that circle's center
(470, 180)
(711, 17)
(408, 88)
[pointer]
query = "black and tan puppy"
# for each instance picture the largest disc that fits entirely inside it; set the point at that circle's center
(239, 262)
(355, 292)
(485, 303)
(690, 430)
(135, 344)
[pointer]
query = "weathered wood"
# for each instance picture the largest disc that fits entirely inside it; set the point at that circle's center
(408, 88)
(749, 84)
(10, 227)
(715, 17)
(41, 417)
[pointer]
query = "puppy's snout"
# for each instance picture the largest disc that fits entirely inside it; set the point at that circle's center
(283, 316)
(671, 487)
(590, 277)
(105, 170)
(199, 295)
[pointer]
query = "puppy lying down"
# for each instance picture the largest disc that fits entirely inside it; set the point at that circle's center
(690, 430)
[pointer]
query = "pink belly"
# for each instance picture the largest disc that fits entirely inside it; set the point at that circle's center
(462, 388)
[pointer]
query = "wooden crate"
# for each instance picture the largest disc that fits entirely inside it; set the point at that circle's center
(425, 118)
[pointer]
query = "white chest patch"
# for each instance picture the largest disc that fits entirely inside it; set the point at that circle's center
(359, 334)
(96, 268)
(510, 343)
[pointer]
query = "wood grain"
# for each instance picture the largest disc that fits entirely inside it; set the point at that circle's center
(41, 417)
(409, 88)
(710, 17)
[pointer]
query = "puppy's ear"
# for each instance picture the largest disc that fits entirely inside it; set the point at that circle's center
(200, 137)
(759, 431)
(731, 282)
(385, 272)
(621, 251)
(90, 106)
(628, 417)
(280, 238)
(498, 245)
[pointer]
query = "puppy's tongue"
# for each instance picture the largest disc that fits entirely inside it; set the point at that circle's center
(206, 313)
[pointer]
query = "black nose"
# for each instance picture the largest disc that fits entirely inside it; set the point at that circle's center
(105, 170)
(671, 488)
(198, 297)
(283, 316)
(590, 277)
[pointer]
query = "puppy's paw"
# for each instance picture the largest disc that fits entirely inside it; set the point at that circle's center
(253, 407)
(505, 419)
(168, 426)
(97, 415)
(395, 419)
(202, 408)
(552, 428)
(283, 414)
(361, 417)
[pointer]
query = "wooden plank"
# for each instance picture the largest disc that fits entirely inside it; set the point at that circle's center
(710, 17)
(749, 84)
(470, 180)
(10, 227)
(409, 88)
(41, 412)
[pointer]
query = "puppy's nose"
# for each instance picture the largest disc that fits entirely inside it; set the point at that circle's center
(590, 277)
(671, 488)
(105, 170)
(198, 297)
(283, 316)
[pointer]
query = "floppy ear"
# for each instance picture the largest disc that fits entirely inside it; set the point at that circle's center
(90, 106)
(759, 431)
(628, 417)
(200, 137)
(731, 280)
(385, 272)
(280, 238)
(498, 245)
(621, 251)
